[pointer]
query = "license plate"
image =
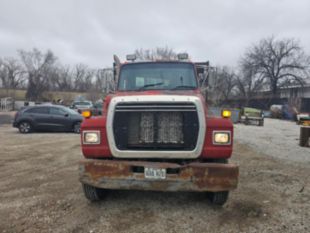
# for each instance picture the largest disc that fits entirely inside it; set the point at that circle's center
(155, 173)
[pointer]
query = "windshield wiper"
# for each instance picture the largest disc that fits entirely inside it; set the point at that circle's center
(150, 85)
(183, 87)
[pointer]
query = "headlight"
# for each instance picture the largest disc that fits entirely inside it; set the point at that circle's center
(221, 137)
(91, 137)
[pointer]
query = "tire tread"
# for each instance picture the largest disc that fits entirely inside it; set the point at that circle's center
(93, 193)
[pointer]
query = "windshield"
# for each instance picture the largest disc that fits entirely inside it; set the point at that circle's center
(157, 76)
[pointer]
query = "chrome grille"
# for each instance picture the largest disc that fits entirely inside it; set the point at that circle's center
(155, 126)
(146, 130)
(170, 125)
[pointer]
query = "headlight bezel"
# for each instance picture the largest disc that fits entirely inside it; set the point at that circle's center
(88, 132)
(228, 132)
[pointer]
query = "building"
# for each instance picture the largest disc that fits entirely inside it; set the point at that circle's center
(299, 95)
(294, 96)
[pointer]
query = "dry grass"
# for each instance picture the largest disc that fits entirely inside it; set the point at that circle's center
(17, 94)
(50, 95)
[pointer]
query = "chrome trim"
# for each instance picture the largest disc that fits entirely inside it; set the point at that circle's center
(221, 131)
(157, 154)
(155, 106)
(91, 131)
(156, 110)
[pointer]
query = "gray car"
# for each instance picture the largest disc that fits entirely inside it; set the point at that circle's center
(81, 105)
(47, 118)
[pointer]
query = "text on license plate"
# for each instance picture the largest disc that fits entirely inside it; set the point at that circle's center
(154, 173)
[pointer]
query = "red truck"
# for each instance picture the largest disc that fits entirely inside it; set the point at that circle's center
(155, 134)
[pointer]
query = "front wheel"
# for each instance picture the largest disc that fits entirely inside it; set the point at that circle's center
(218, 198)
(92, 193)
(25, 127)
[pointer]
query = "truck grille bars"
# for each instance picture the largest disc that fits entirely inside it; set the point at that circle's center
(163, 107)
(169, 128)
(155, 126)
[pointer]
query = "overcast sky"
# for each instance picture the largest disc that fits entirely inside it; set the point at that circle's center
(92, 31)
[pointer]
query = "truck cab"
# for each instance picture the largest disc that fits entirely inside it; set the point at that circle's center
(155, 134)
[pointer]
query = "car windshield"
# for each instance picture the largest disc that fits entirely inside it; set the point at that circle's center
(157, 76)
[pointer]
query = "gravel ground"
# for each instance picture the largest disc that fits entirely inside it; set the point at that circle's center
(40, 192)
(277, 138)
(6, 117)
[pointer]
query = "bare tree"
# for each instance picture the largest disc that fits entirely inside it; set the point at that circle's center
(281, 62)
(104, 80)
(83, 77)
(61, 78)
(11, 74)
(223, 85)
(3, 75)
(38, 67)
(164, 53)
(248, 81)
(39, 72)
(228, 82)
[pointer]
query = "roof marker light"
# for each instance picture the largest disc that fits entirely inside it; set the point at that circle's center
(131, 57)
(182, 56)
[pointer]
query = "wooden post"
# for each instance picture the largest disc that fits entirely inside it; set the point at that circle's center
(304, 136)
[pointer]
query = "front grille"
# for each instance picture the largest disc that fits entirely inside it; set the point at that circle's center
(149, 126)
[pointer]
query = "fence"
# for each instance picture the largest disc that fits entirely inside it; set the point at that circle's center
(7, 104)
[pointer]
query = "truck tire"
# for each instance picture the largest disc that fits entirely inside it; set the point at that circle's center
(25, 127)
(218, 198)
(92, 193)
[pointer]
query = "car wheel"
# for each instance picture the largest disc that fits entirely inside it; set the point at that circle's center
(77, 127)
(25, 127)
(92, 193)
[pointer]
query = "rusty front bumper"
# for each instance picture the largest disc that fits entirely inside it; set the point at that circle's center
(195, 176)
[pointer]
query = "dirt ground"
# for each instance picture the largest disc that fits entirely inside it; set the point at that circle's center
(278, 138)
(40, 192)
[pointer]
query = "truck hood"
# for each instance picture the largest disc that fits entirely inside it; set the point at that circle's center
(154, 93)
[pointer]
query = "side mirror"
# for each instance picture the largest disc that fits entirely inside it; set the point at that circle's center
(67, 114)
